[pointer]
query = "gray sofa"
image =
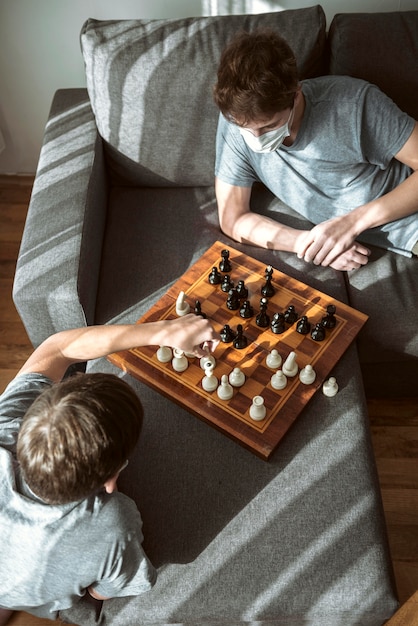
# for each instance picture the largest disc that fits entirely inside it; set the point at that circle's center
(122, 204)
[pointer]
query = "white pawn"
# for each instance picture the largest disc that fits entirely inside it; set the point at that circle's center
(209, 381)
(179, 362)
(290, 366)
(225, 390)
(182, 307)
(278, 380)
(330, 387)
(209, 358)
(307, 375)
(164, 354)
(273, 359)
(237, 377)
(257, 409)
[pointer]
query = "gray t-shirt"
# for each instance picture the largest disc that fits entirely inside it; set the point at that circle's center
(342, 157)
(51, 554)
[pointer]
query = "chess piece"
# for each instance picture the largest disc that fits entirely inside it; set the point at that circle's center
(227, 283)
(209, 380)
(330, 387)
(268, 290)
(225, 391)
(277, 325)
(227, 334)
(233, 301)
(179, 362)
(290, 315)
(164, 354)
(303, 326)
(246, 311)
(318, 333)
(263, 320)
(257, 409)
(307, 375)
(215, 278)
(209, 358)
(278, 380)
(225, 264)
(273, 359)
(198, 309)
(290, 366)
(242, 290)
(182, 307)
(329, 320)
(240, 340)
(237, 377)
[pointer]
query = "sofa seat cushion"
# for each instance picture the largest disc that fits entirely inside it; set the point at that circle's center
(150, 83)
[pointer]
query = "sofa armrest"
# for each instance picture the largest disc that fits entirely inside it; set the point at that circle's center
(58, 265)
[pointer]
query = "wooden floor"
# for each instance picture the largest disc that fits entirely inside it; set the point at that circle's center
(394, 424)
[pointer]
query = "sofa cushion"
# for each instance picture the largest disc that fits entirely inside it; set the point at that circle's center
(381, 48)
(150, 84)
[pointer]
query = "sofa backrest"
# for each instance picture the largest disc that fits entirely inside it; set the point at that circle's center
(381, 48)
(150, 85)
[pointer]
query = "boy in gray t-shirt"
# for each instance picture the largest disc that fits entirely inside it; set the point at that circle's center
(65, 530)
(335, 149)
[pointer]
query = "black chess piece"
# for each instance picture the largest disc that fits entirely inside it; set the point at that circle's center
(329, 320)
(246, 311)
(290, 315)
(227, 334)
(277, 325)
(240, 341)
(225, 264)
(242, 290)
(268, 290)
(233, 301)
(198, 309)
(215, 277)
(303, 326)
(263, 319)
(227, 283)
(318, 333)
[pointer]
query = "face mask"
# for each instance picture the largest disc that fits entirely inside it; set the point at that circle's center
(270, 141)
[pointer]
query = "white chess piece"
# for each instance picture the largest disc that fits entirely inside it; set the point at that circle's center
(290, 366)
(164, 354)
(257, 409)
(278, 380)
(273, 359)
(179, 362)
(330, 387)
(225, 390)
(209, 381)
(237, 377)
(307, 375)
(209, 358)
(182, 307)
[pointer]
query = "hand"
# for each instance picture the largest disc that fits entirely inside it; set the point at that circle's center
(351, 259)
(193, 334)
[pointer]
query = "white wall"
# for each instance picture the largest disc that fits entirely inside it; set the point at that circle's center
(39, 53)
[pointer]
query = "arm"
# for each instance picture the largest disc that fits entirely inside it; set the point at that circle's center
(326, 241)
(53, 357)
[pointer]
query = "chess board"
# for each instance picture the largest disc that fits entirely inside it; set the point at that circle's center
(232, 416)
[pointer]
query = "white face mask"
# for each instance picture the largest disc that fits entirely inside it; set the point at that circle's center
(270, 141)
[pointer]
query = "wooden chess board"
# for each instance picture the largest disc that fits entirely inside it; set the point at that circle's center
(232, 416)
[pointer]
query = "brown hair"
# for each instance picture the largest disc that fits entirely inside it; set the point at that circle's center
(257, 77)
(77, 435)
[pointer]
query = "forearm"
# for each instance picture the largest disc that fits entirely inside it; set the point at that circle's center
(264, 232)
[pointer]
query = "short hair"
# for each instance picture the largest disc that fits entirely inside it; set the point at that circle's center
(77, 435)
(257, 77)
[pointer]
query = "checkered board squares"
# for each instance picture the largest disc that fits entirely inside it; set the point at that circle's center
(283, 406)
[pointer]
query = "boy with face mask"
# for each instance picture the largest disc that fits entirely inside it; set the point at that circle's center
(334, 148)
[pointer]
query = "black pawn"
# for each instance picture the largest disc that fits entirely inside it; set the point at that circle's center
(215, 278)
(246, 311)
(277, 325)
(290, 315)
(227, 334)
(240, 340)
(268, 290)
(329, 320)
(198, 309)
(227, 283)
(242, 290)
(233, 300)
(303, 326)
(318, 333)
(262, 319)
(225, 264)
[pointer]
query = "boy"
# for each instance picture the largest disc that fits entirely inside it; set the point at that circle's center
(65, 531)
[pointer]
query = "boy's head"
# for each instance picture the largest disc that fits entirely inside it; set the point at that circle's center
(257, 77)
(77, 435)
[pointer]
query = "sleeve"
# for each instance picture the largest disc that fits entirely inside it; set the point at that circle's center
(232, 164)
(15, 401)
